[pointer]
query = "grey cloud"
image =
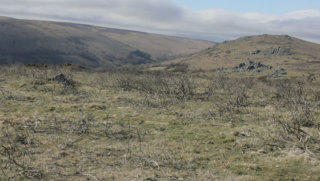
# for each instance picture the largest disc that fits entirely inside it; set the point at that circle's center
(164, 16)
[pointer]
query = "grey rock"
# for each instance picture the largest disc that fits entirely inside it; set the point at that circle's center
(278, 73)
(281, 51)
(255, 52)
(287, 36)
(252, 66)
(241, 65)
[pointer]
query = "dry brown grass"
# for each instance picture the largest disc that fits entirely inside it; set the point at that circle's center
(138, 125)
(304, 56)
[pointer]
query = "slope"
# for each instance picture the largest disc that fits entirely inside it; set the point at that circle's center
(275, 50)
(26, 41)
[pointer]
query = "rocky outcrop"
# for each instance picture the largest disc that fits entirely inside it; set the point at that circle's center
(281, 51)
(273, 51)
(252, 66)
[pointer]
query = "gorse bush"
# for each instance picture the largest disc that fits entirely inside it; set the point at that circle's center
(179, 87)
(301, 114)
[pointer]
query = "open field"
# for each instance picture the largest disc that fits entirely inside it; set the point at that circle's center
(125, 124)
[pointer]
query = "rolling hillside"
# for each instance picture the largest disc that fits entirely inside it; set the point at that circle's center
(23, 41)
(275, 50)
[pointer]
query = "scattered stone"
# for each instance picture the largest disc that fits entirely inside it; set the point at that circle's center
(238, 134)
(281, 51)
(221, 69)
(255, 52)
(287, 36)
(278, 73)
(241, 65)
(262, 151)
(252, 66)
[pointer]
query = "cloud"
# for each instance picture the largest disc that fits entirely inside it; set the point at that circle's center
(167, 17)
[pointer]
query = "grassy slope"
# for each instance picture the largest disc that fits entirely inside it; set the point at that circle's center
(35, 41)
(160, 46)
(306, 55)
(135, 126)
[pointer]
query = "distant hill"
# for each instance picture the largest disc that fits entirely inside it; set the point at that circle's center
(25, 41)
(275, 50)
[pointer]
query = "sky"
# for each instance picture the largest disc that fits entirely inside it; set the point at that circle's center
(204, 19)
(262, 6)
